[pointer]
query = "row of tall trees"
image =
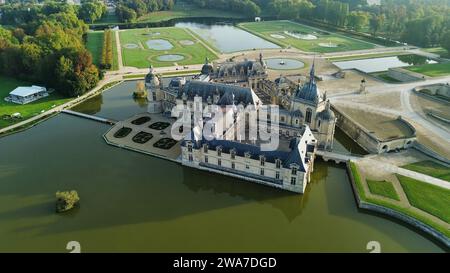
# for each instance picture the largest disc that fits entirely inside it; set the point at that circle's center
(130, 10)
(107, 50)
(46, 46)
(246, 7)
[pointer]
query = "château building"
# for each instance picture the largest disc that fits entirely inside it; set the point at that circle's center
(304, 122)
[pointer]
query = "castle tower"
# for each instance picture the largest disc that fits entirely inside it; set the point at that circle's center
(325, 124)
(154, 93)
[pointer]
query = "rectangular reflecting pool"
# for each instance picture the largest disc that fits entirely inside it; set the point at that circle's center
(227, 38)
(371, 65)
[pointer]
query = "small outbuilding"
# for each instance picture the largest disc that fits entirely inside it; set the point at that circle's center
(27, 94)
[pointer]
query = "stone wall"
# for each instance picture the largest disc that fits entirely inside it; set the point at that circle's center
(368, 140)
(439, 89)
(404, 75)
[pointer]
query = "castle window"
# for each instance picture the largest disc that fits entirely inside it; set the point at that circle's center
(191, 158)
(318, 123)
(233, 154)
(219, 162)
(247, 166)
(261, 172)
(262, 160)
(296, 121)
(277, 175)
(278, 163)
(233, 165)
(294, 171)
(154, 96)
(308, 115)
(190, 147)
(205, 148)
(282, 119)
(293, 180)
(219, 151)
(206, 159)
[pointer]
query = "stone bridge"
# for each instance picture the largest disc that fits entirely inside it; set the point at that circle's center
(336, 156)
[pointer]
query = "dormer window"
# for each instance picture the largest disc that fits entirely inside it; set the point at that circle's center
(233, 154)
(247, 155)
(278, 163)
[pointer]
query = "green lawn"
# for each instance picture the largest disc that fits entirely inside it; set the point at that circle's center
(385, 77)
(143, 56)
(267, 28)
(430, 198)
(361, 193)
(94, 44)
(180, 10)
(383, 188)
(438, 50)
(430, 168)
(432, 70)
(8, 84)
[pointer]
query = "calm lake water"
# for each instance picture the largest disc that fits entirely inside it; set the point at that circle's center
(228, 38)
(383, 64)
(134, 202)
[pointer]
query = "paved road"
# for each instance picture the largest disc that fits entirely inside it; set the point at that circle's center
(119, 51)
(407, 110)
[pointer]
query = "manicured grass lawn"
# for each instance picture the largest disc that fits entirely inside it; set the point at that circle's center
(438, 50)
(430, 198)
(361, 193)
(143, 56)
(182, 10)
(430, 168)
(94, 45)
(385, 77)
(28, 110)
(432, 70)
(268, 28)
(383, 188)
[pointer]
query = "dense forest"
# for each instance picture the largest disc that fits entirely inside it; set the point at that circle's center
(130, 10)
(45, 44)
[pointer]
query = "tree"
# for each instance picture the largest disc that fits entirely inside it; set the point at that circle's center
(357, 20)
(376, 22)
(445, 41)
(126, 14)
(91, 11)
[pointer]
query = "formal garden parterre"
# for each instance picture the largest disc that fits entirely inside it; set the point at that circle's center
(142, 47)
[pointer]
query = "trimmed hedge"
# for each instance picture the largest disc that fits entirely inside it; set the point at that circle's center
(107, 51)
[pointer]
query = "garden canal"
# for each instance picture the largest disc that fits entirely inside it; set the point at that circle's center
(134, 202)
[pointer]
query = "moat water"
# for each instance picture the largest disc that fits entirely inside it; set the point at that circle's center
(135, 202)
